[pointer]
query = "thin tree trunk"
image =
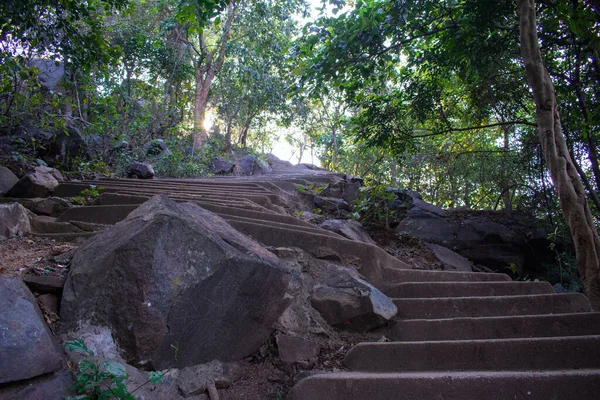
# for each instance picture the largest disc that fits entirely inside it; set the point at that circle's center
(571, 193)
(206, 68)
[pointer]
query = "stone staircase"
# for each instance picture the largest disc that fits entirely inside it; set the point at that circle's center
(457, 335)
(472, 336)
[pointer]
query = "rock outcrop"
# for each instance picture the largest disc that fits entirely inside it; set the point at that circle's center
(177, 286)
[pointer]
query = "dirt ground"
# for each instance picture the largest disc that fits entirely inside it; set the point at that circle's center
(34, 256)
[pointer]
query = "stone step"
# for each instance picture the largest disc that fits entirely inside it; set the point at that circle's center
(393, 275)
(73, 189)
(548, 385)
(491, 306)
(465, 289)
(311, 229)
(107, 215)
(200, 200)
(369, 260)
(262, 199)
(178, 182)
(521, 354)
(519, 326)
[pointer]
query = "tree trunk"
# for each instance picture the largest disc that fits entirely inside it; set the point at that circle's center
(207, 68)
(571, 193)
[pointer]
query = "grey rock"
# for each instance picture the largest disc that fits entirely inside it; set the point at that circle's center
(190, 280)
(50, 73)
(52, 206)
(38, 184)
(430, 228)
(28, 348)
(221, 167)
(349, 302)
(7, 179)
(251, 165)
(141, 170)
(348, 228)
(351, 191)
(311, 167)
(195, 380)
(295, 349)
(48, 387)
(14, 220)
(450, 260)
(156, 147)
(71, 144)
(331, 203)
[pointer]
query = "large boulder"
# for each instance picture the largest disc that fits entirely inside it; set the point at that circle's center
(27, 348)
(348, 228)
(7, 179)
(14, 220)
(41, 183)
(251, 165)
(177, 286)
(484, 239)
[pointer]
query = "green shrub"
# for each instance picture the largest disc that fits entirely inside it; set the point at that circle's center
(104, 381)
(373, 207)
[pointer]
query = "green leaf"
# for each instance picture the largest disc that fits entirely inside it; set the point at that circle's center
(78, 346)
(114, 368)
(155, 376)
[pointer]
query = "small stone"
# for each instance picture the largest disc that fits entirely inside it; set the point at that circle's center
(49, 302)
(294, 349)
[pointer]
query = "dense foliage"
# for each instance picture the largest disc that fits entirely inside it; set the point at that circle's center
(428, 95)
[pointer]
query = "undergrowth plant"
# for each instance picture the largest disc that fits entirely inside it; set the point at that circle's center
(104, 381)
(86, 196)
(373, 207)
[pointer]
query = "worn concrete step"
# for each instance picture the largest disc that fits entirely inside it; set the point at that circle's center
(240, 202)
(580, 384)
(518, 326)
(108, 215)
(523, 354)
(393, 275)
(262, 199)
(314, 229)
(111, 214)
(369, 260)
(491, 306)
(72, 189)
(240, 183)
(465, 289)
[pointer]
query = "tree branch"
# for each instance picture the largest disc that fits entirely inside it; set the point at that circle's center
(473, 128)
